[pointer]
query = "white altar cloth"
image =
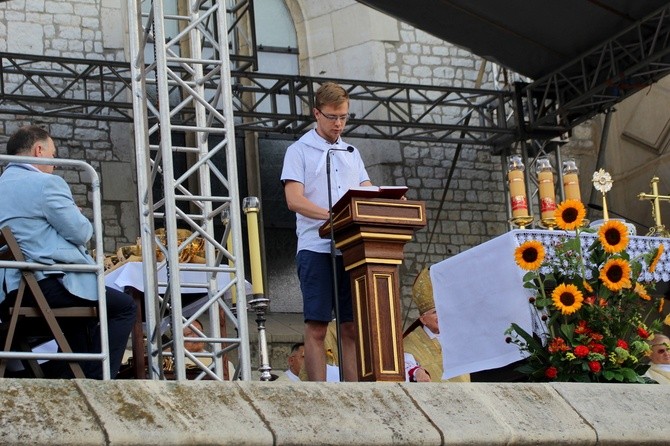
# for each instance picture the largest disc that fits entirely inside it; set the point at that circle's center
(479, 293)
(131, 274)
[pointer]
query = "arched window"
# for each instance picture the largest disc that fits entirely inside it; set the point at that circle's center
(276, 40)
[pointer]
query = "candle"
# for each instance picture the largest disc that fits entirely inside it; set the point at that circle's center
(251, 206)
(545, 179)
(517, 187)
(571, 180)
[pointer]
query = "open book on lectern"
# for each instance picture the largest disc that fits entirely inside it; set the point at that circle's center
(388, 192)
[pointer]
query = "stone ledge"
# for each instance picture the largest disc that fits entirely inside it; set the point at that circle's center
(85, 412)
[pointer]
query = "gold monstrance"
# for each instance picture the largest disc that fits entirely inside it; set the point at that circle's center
(659, 229)
(602, 181)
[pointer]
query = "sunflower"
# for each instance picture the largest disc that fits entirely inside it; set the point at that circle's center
(641, 291)
(614, 236)
(529, 255)
(615, 274)
(567, 298)
(657, 257)
(570, 214)
(587, 286)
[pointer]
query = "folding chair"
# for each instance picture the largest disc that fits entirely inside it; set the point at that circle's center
(10, 250)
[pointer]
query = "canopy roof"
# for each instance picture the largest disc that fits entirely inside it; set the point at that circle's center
(530, 37)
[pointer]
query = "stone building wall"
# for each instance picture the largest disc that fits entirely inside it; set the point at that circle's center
(474, 207)
(81, 29)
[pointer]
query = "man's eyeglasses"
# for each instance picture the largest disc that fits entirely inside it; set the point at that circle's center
(334, 118)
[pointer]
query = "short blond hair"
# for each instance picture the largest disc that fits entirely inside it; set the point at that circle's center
(330, 93)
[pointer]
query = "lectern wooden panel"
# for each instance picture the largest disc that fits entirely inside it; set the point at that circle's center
(371, 233)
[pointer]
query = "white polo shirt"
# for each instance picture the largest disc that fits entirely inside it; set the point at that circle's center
(305, 162)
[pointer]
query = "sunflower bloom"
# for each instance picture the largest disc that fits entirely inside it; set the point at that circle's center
(567, 298)
(666, 321)
(641, 291)
(529, 255)
(587, 286)
(614, 236)
(657, 257)
(616, 274)
(570, 214)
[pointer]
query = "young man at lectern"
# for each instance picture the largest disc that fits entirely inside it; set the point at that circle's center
(306, 189)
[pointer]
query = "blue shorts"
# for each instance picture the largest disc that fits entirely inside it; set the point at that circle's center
(315, 272)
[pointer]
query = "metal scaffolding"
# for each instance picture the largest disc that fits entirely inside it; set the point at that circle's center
(195, 198)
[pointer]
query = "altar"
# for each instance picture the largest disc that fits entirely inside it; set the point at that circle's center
(129, 277)
(131, 274)
(479, 293)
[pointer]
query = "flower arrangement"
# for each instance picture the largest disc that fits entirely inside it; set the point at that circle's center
(593, 309)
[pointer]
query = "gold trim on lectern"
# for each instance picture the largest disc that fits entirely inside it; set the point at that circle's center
(389, 284)
(359, 323)
(373, 260)
(374, 235)
(418, 219)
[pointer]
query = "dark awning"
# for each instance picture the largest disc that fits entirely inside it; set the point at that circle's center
(530, 37)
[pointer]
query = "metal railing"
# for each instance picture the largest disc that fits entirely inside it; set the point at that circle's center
(97, 268)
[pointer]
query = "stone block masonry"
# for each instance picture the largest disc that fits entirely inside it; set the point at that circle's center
(85, 412)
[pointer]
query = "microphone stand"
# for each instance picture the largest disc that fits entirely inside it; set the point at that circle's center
(333, 262)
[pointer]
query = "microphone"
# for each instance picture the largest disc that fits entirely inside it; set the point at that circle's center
(333, 258)
(349, 149)
(597, 207)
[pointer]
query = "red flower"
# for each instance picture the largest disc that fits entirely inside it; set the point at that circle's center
(621, 343)
(597, 348)
(551, 372)
(581, 351)
(641, 332)
(596, 336)
(581, 328)
(558, 345)
(595, 366)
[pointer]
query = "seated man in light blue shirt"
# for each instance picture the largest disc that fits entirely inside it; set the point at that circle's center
(49, 227)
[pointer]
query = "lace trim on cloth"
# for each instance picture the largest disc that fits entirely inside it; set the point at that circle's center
(637, 246)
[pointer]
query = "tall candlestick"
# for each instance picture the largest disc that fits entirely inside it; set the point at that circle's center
(545, 179)
(259, 303)
(251, 207)
(517, 187)
(571, 180)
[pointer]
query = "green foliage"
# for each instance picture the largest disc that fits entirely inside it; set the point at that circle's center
(605, 338)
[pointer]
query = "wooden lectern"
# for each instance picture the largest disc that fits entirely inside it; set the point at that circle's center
(371, 232)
